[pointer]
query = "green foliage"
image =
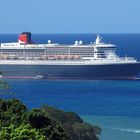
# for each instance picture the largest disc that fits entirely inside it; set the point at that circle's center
(63, 117)
(73, 124)
(23, 132)
(11, 112)
(37, 119)
(40, 120)
(48, 123)
(4, 87)
(17, 123)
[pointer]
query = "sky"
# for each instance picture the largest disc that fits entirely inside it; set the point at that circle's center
(70, 16)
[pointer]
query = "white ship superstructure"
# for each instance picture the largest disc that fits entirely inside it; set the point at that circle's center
(24, 53)
(78, 51)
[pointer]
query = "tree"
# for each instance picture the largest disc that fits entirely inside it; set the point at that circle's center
(4, 87)
(18, 123)
(76, 128)
(37, 119)
(42, 121)
(11, 112)
(15, 117)
(23, 132)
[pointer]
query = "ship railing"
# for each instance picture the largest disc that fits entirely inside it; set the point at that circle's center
(126, 59)
(41, 61)
(66, 61)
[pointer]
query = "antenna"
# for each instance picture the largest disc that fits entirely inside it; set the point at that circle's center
(98, 39)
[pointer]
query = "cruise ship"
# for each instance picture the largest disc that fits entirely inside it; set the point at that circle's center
(97, 60)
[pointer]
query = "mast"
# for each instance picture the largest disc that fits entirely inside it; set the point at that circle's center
(98, 39)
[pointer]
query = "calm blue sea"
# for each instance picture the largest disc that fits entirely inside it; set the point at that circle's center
(114, 105)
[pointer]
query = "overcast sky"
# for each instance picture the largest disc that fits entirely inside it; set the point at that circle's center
(70, 16)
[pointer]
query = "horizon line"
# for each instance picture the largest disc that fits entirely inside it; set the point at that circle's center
(71, 33)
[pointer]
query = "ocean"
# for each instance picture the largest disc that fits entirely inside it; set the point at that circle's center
(114, 105)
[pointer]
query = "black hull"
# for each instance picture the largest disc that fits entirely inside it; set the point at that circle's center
(106, 71)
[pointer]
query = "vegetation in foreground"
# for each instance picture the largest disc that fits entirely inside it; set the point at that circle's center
(47, 123)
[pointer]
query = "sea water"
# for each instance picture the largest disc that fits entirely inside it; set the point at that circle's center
(114, 105)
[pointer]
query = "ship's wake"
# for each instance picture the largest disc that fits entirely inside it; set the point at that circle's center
(127, 130)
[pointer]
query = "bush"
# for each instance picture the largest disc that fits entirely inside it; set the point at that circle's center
(73, 124)
(17, 123)
(23, 132)
(48, 123)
